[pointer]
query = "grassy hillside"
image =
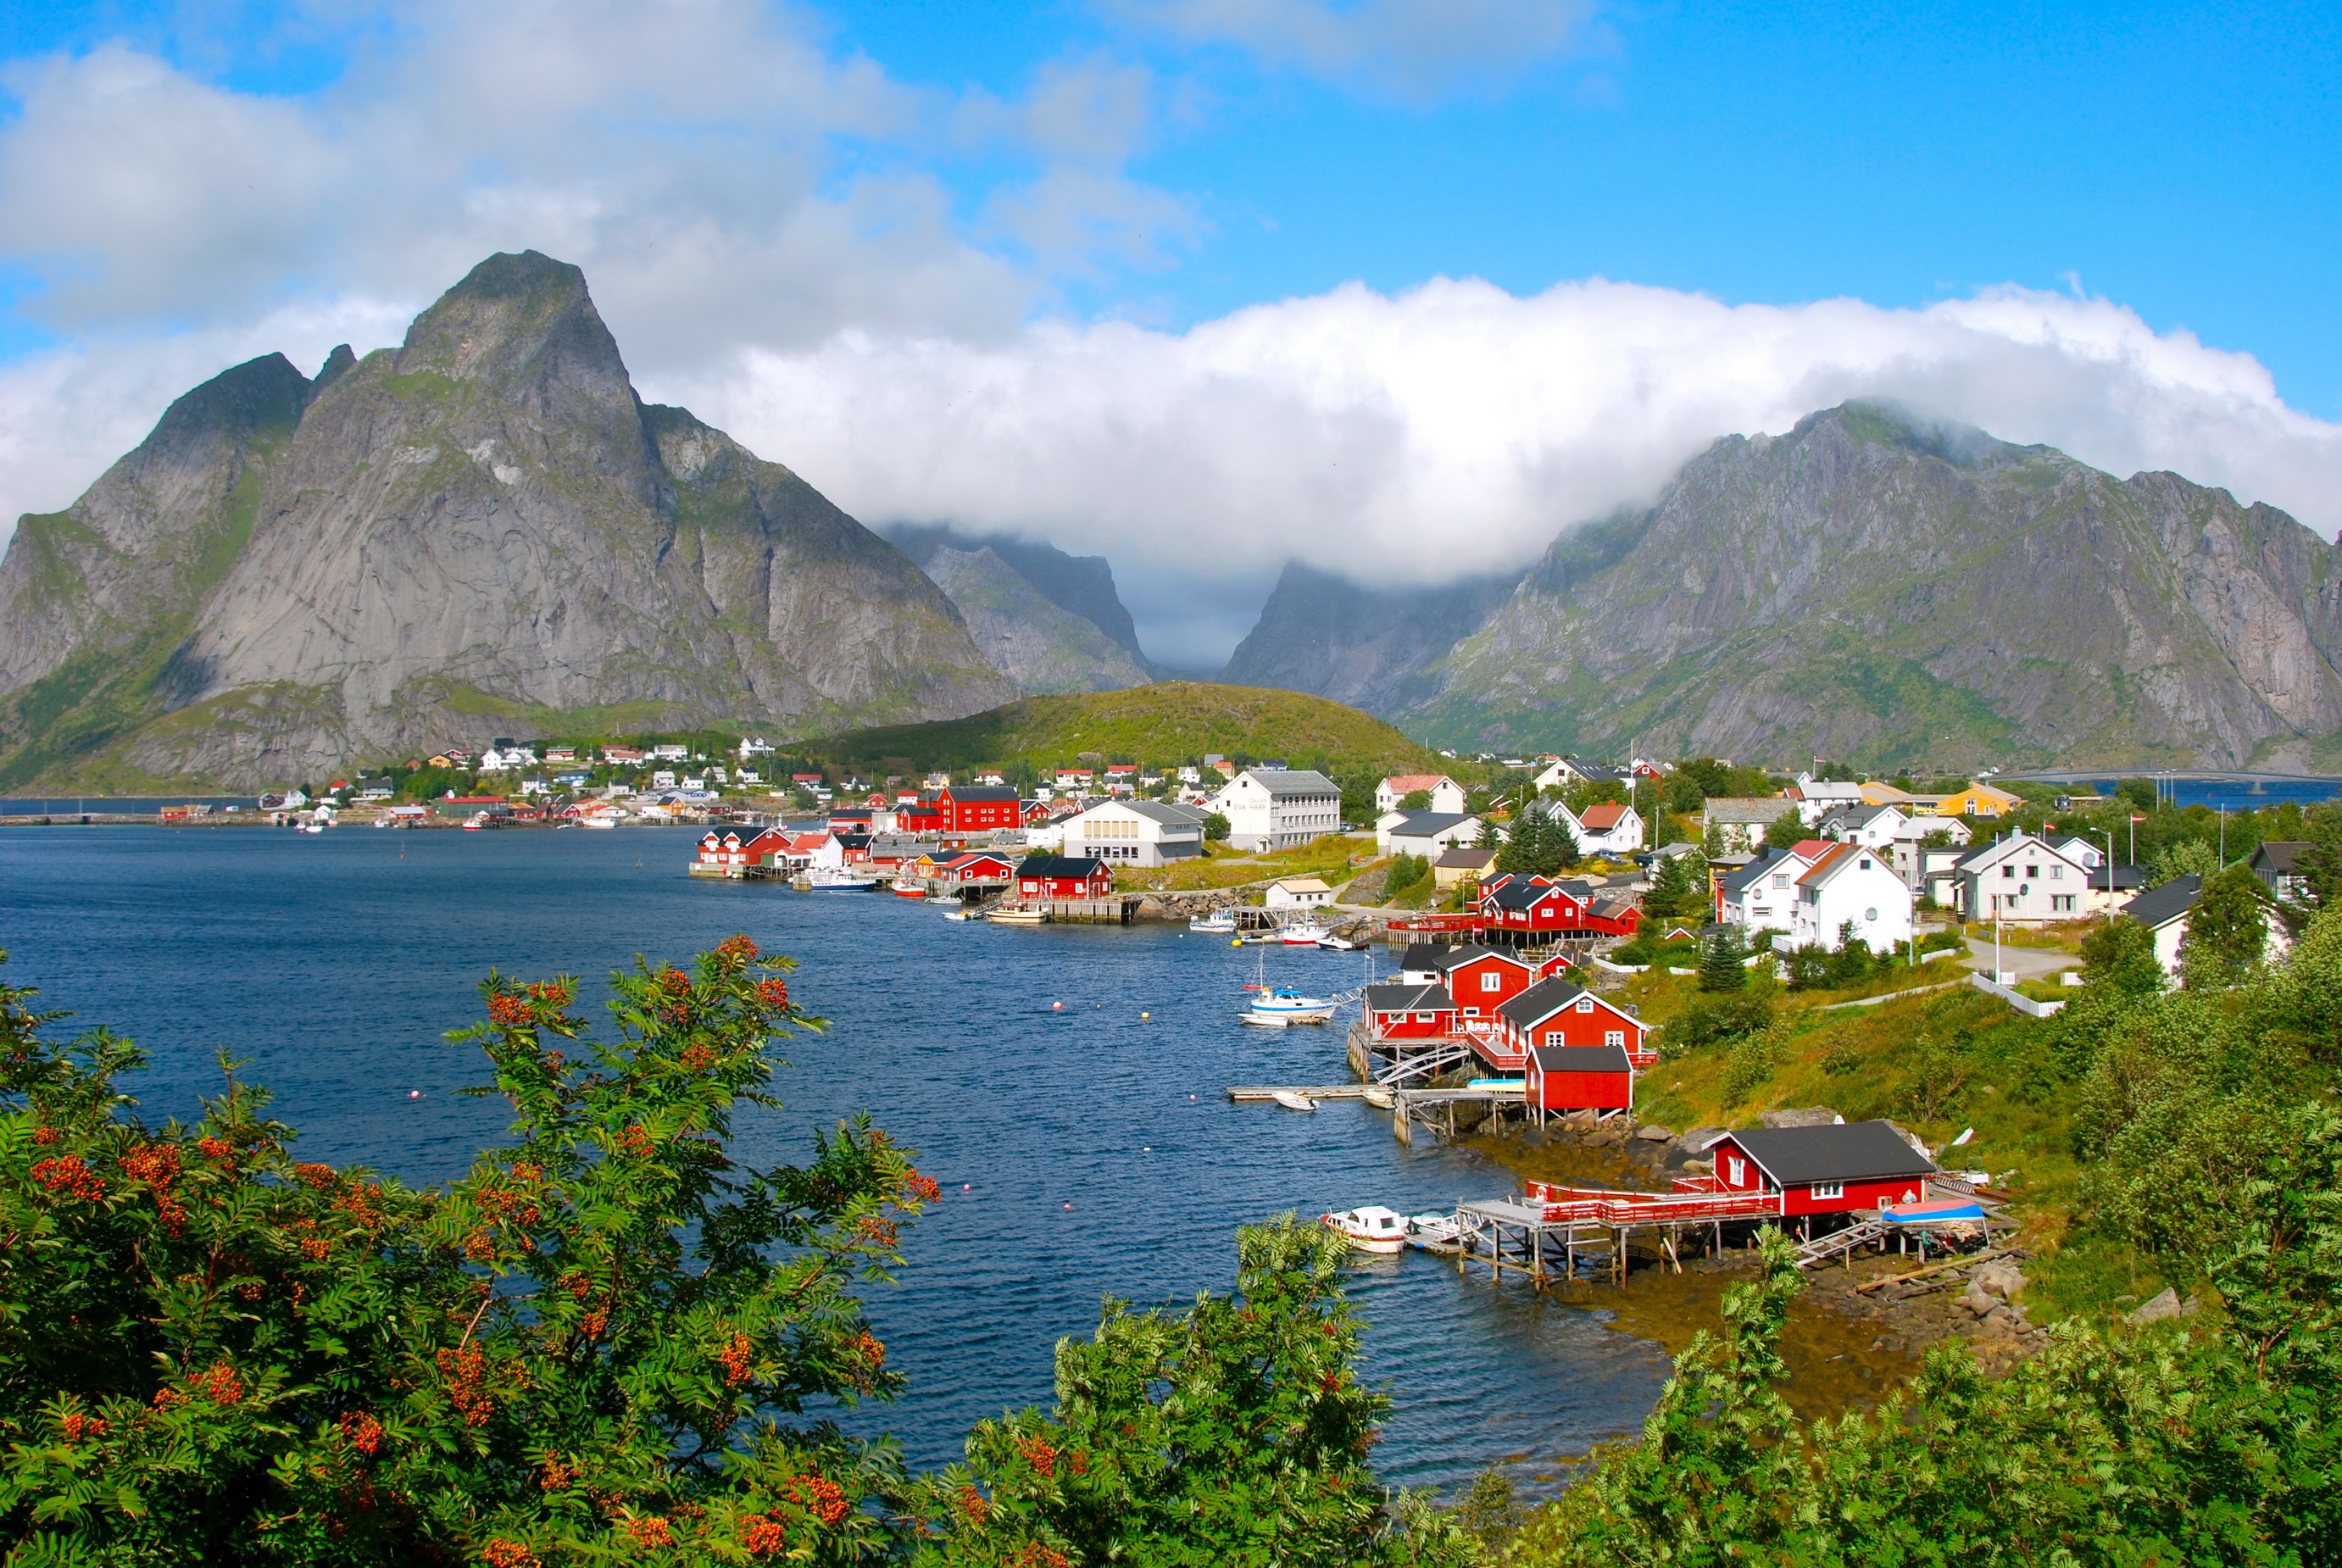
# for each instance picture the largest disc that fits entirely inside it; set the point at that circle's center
(1168, 722)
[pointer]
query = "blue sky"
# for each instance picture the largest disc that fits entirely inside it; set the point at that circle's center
(746, 183)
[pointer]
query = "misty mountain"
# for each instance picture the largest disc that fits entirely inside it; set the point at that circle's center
(1052, 622)
(1369, 647)
(482, 531)
(1892, 594)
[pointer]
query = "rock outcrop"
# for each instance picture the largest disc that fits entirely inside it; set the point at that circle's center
(483, 531)
(1051, 621)
(1373, 648)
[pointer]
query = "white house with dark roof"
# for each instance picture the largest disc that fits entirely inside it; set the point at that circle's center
(1278, 808)
(1608, 828)
(1135, 832)
(2022, 880)
(1429, 834)
(2166, 909)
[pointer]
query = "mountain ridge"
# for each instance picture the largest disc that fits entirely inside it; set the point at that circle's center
(429, 544)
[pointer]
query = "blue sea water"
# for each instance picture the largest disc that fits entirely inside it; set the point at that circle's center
(1084, 1153)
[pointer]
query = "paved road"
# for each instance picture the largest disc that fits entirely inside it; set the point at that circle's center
(2024, 962)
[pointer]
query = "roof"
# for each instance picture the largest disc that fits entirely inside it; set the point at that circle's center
(1834, 1152)
(1427, 823)
(1595, 772)
(1542, 1001)
(1521, 891)
(1399, 996)
(1466, 859)
(964, 797)
(1167, 815)
(1749, 809)
(1992, 853)
(1456, 957)
(2163, 904)
(1302, 884)
(1841, 857)
(1753, 873)
(1861, 816)
(1280, 782)
(1582, 1059)
(1603, 815)
(1422, 955)
(1407, 784)
(1812, 849)
(2280, 855)
(1060, 867)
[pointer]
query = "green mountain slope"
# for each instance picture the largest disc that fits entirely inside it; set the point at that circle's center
(1170, 722)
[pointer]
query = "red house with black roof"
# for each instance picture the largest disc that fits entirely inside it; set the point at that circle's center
(1064, 877)
(1825, 1170)
(1406, 1010)
(1526, 906)
(1562, 1012)
(975, 865)
(1562, 1078)
(1483, 979)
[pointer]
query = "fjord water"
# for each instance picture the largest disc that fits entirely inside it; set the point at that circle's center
(1083, 1152)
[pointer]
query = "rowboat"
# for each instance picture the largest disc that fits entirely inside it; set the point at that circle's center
(1293, 1100)
(1019, 916)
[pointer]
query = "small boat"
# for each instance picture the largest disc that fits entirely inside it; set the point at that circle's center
(963, 914)
(1293, 1100)
(1379, 1095)
(1019, 916)
(1308, 933)
(597, 821)
(1219, 923)
(320, 827)
(1338, 945)
(1286, 1005)
(1434, 1232)
(1371, 1229)
(906, 889)
(839, 880)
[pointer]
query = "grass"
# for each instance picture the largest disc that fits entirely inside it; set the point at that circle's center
(1168, 722)
(1334, 858)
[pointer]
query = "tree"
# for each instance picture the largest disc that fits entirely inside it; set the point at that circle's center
(1672, 892)
(1233, 1433)
(1215, 828)
(1415, 800)
(1786, 831)
(2186, 857)
(608, 1339)
(1720, 966)
(2120, 955)
(2227, 930)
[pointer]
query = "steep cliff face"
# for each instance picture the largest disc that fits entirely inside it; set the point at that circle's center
(1889, 595)
(482, 531)
(1371, 648)
(1051, 621)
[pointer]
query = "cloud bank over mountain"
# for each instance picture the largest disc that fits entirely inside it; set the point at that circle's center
(1454, 429)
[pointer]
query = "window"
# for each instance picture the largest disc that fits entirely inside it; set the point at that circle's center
(1829, 1189)
(1553, 1037)
(1586, 1004)
(2010, 870)
(1423, 1018)
(1471, 1012)
(2061, 902)
(1491, 981)
(1866, 863)
(1736, 1170)
(1615, 1037)
(1780, 879)
(2032, 872)
(2057, 871)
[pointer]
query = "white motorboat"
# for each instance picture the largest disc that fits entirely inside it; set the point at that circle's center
(1219, 923)
(1293, 1100)
(1432, 1231)
(826, 879)
(1339, 944)
(1379, 1095)
(963, 914)
(1308, 933)
(1371, 1229)
(1285, 1005)
(1019, 916)
(597, 821)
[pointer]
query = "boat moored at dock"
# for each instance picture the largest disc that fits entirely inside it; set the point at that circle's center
(1371, 1228)
(1293, 1099)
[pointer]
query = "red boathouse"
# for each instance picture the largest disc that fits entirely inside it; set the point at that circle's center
(1064, 877)
(1561, 1078)
(1827, 1170)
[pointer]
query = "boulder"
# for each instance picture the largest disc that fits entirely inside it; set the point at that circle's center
(1654, 1133)
(1701, 1167)
(1974, 1298)
(1810, 1117)
(1999, 1280)
(2163, 1306)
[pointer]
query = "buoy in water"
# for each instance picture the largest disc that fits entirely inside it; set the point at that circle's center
(1236, 942)
(1144, 1016)
(1069, 1205)
(414, 1093)
(1056, 1007)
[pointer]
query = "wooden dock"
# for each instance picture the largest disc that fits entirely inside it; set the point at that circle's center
(1329, 1091)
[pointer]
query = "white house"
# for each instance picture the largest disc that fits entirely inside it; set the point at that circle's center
(1446, 794)
(1817, 798)
(1297, 893)
(1608, 828)
(1278, 808)
(1134, 833)
(1563, 772)
(1761, 895)
(2023, 880)
(1896, 830)
(1429, 834)
(1851, 893)
(2165, 910)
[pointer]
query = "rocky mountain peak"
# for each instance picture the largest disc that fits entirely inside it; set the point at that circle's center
(522, 323)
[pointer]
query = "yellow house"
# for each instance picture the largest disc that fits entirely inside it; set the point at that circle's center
(1978, 800)
(1884, 794)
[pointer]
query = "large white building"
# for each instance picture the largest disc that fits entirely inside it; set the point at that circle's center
(1134, 833)
(1274, 808)
(2023, 880)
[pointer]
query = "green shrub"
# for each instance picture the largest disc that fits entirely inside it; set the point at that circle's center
(1712, 1023)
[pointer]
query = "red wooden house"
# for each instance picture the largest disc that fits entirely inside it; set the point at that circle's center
(1564, 1012)
(1559, 1078)
(1064, 877)
(1825, 1170)
(1401, 1010)
(920, 817)
(850, 819)
(726, 853)
(1527, 906)
(1483, 979)
(975, 809)
(976, 866)
(1033, 813)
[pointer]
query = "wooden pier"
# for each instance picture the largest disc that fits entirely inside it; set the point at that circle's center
(1435, 1111)
(1329, 1091)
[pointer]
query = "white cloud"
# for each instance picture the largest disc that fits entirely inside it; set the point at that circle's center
(1408, 49)
(1455, 429)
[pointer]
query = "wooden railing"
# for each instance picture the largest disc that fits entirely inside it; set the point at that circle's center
(1598, 1206)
